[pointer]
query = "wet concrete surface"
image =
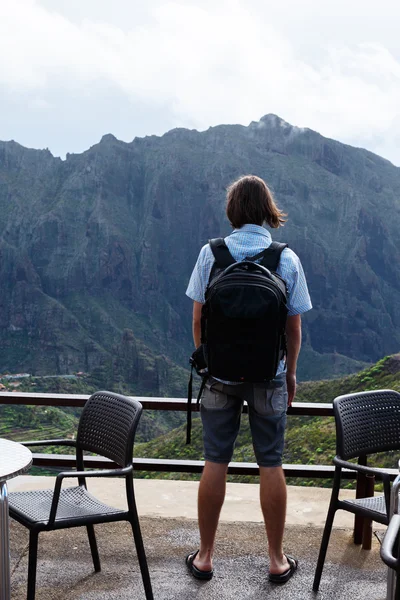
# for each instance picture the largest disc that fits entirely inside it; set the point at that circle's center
(65, 569)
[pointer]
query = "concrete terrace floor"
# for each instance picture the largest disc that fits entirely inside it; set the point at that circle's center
(167, 510)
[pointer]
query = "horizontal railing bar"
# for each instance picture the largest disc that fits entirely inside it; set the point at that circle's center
(43, 399)
(67, 461)
(311, 409)
(165, 465)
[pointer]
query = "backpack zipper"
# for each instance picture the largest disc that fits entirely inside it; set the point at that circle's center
(264, 284)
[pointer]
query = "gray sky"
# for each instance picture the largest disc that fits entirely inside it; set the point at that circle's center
(73, 70)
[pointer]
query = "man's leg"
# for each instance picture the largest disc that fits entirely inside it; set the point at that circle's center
(273, 504)
(220, 414)
(210, 501)
(267, 415)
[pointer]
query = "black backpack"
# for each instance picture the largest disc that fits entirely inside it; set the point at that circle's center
(243, 319)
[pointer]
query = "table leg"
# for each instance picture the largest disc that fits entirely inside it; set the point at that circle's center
(5, 592)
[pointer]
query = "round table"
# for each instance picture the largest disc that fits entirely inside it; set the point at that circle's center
(14, 460)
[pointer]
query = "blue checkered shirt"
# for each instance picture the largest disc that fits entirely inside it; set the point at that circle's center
(250, 240)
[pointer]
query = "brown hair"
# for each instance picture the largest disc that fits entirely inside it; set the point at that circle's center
(249, 200)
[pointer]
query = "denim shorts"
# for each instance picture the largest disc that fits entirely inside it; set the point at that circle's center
(221, 409)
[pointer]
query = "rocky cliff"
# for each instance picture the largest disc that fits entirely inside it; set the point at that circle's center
(105, 242)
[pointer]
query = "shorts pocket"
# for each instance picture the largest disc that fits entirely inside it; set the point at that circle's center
(213, 396)
(279, 399)
(270, 400)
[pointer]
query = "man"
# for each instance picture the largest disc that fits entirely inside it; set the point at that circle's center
(249, 205)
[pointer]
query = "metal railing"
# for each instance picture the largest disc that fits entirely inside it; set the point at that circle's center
(65, 461)
(164, 465)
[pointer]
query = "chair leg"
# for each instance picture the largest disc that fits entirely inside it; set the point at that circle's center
(33, 548)
(324, 546)
(93, 547)
(137, 535)
(328, 528)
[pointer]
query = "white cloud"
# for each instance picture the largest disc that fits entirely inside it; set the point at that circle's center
(197, 64)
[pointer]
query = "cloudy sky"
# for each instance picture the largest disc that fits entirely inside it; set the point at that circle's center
(72, 70)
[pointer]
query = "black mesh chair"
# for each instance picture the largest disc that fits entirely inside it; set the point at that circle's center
(107, 427)
(366, 423)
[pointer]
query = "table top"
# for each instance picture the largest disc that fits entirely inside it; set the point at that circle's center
(14, 459)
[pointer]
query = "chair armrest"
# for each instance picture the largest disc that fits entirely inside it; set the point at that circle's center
(362, 468)
(65, 474)
(50, 443)
(389, 542)
(102, 473)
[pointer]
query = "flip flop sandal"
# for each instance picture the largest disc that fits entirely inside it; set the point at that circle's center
(197, 573)
(286, 575)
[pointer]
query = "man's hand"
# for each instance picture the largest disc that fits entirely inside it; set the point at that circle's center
(291, 387)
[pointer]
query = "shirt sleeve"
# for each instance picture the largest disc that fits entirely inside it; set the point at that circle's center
(199, 279)
(299, 300)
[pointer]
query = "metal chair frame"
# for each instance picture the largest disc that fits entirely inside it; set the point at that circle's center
(107, 427)
(390, 545)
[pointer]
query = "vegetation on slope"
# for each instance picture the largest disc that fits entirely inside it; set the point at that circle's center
(309, 440)
(22, 422)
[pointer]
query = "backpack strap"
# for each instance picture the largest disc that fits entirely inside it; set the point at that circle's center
(223, 257)
(189, 403)
(189, 408)
(272, 256)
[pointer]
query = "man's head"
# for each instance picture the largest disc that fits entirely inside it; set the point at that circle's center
(250, 201)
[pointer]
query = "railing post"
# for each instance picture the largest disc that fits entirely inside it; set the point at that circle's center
(358, 519)
(367, 526)
(360, 493)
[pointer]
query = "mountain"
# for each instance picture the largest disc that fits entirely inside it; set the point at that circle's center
(96, 250)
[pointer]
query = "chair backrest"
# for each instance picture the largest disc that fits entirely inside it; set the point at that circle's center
(367, 422)
(107, 426)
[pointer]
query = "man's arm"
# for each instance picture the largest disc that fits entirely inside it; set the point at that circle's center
(293, 334)
(197, 306)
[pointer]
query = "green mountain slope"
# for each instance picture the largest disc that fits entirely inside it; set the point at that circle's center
(309, 440)
(19, 422)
